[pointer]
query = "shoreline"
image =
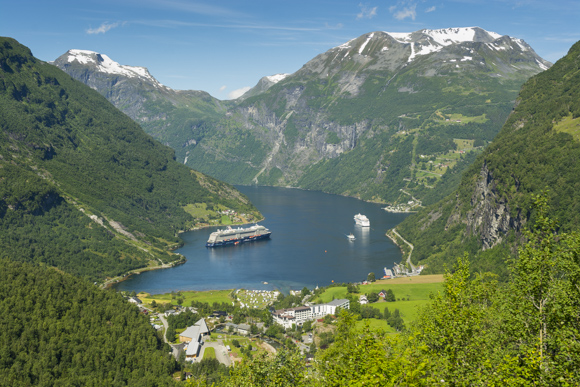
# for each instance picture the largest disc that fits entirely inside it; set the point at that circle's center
(125, 276)
(107, 284)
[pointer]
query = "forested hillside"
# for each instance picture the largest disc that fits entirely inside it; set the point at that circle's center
(58, 330)
(82, 187)
(537, 150)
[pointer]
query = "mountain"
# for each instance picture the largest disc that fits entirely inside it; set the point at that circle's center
(263, 85)
(536, 151)
(386, 117)
(166, 114)
(82, 187)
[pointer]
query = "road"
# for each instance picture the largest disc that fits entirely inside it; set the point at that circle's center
(410, 252)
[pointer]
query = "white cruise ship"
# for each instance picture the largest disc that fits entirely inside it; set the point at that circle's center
(362, 220)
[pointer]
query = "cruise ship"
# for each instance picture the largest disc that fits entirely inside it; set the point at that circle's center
(362, 220)
(235, 236)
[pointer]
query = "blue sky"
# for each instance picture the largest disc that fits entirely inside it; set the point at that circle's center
(224, 46)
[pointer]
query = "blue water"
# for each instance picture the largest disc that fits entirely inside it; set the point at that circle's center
(308, 247)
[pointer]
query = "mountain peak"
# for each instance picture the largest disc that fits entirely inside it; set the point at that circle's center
(104, 64)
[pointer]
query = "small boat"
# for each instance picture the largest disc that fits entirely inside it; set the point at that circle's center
(351, 237)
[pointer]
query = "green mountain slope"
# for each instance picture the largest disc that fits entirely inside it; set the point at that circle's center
(537, 149)
(384, 117)
(58, 330)
(82, 187)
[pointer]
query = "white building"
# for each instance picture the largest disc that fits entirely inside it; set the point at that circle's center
(301, 314)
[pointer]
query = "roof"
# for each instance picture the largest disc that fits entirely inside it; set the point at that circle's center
(244, 327)
(192, 332)
(338, 302)
(196, 330)
(202, 326)
(192, 348)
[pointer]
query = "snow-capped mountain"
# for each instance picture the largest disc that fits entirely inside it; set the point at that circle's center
(139, 95)
(103, 64)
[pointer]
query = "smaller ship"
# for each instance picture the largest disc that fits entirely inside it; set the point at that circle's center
(351, 237)
(362, 220)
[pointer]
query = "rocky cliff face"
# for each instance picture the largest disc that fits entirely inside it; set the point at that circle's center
(489, 217)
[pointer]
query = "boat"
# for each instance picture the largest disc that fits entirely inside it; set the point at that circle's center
(235, 236)
(362, 220)
(350, 237)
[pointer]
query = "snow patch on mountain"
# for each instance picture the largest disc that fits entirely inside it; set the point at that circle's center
(105, 64)
(438, 38)
(362, 47)
(276, 77)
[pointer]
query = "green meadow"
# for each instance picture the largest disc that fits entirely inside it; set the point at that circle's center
(411, 293)
(209, 297)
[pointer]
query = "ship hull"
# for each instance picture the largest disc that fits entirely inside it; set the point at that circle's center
(235, 241)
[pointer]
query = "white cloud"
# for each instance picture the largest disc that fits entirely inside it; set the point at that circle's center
(238, 93)
(406, 12)
(431, 9)
(223, 88)
(366, 12)
(103, 28)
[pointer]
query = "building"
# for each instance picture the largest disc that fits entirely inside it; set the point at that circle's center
(301, 314)
(244, 329)
(193, 336)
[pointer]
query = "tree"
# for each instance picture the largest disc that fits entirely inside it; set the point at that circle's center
(545, 300)
(286, 369)
(351, 288)
(305, 292)
(373, 297)
(390, 296)
(327, 319)
(371, 277)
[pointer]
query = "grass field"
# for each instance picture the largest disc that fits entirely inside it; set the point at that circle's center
(209, 353)
(411, 294)
(569, 125)
(209, 297)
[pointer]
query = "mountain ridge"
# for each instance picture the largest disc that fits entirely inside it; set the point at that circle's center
(309, 129)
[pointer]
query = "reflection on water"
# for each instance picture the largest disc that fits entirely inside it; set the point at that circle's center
(308, 247)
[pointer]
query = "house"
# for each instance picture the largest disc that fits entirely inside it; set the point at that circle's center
(135, 300)
(383, 293)
(363, 299)
(244, 329)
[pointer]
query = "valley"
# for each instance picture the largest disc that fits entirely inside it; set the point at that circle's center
(468, 130)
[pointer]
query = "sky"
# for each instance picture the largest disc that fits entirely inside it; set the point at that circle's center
(225, 47)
